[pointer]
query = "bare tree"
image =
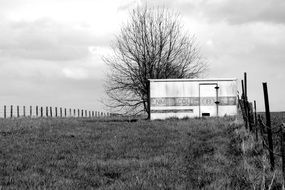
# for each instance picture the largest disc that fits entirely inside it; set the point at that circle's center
(152, 45)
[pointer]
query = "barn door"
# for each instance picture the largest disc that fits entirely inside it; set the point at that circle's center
(208, 100)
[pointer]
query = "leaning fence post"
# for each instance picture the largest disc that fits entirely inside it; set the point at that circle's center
(268, 125)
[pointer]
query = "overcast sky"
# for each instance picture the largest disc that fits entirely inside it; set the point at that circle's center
(50, 50)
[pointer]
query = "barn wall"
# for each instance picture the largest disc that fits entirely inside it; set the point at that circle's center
(191, 98)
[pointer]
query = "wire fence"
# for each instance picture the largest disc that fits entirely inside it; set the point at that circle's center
(272, 136)
(17, 111)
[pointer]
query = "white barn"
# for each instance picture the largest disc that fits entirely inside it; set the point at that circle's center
(192, 97)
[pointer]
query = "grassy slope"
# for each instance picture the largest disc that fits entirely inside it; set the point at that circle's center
(72, 154)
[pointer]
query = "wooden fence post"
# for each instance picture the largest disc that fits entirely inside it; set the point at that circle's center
(46, 111)
(244, 104)
(247, 103)
(85, 113)
(42, 112)
(268, 125)
(11, 111)
(24, 111)
(4, 111)
(31, 111)
(78, 113)
(50, 111)
(55, 111)
(70, 112)
(64, 112)
(18, 111)
(81, 113)
(92, 113)
(37, 111)
(60, 109)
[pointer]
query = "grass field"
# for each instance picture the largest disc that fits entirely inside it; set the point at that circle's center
(106, 154)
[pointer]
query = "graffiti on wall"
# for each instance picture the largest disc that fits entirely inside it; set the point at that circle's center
(193, 101)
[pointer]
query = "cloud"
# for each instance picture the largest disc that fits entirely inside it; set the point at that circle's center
(75, 73)
(233, 12)
(239, 11)
(47, 40)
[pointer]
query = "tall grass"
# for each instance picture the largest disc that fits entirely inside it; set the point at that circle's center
(109, 154)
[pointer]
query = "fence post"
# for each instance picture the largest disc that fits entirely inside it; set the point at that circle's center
(31, 111)
(4, 111)
(244, 104)
(70, 112)
(18, 114)
(92, 113)
(42, 112)
(47, 111)
(268, 125)
(37, 111)
(78, 113)
(11, 111)
(55, 111)
(247, 103)
(50, 111)
(24, 111)
(18, 111)
(60, 109)
(64, 112)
